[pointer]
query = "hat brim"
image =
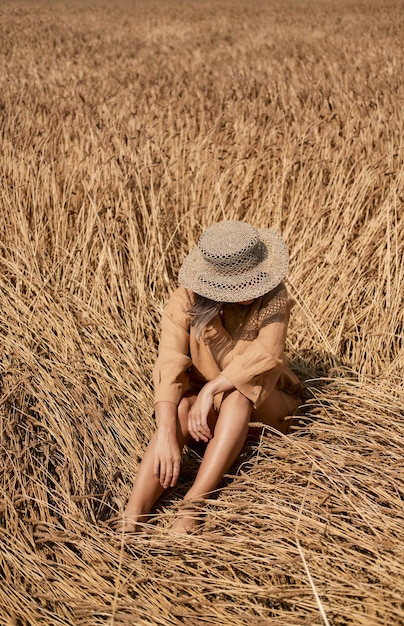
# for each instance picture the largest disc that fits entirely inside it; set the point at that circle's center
(201, 277)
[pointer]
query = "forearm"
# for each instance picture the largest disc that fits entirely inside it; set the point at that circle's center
(219, 384)
(167, 450)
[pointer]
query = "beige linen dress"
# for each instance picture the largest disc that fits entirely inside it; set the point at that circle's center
(245, 343)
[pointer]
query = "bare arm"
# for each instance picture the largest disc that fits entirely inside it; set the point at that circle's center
(167, 456)
(198, 415)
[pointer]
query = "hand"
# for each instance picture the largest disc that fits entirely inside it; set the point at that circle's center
(167, 458)
(198, 415)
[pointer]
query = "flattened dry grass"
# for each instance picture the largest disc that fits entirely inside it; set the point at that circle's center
(127, 128)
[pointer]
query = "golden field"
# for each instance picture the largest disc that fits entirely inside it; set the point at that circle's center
(126, 128)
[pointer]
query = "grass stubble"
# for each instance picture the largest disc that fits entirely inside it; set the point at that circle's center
(127, 128)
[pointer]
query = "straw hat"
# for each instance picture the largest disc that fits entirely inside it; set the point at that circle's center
(235, 262)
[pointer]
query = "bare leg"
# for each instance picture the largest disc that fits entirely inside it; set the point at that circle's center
(230, 431)
(274, 410)
(222, 450)
(228, 439)
(147, 488)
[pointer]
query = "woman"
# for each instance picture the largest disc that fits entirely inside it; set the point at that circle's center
(220, 365)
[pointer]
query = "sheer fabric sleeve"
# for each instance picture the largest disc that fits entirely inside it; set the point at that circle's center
(170, 373)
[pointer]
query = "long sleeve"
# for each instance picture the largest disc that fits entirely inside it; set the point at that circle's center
(256, 370)
(170, 373)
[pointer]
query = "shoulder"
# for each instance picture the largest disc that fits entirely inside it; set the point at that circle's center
(181, 298)
(275, 305)
(279, 295)
(178, 305)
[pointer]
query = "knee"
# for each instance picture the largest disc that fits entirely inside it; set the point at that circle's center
(238, 400)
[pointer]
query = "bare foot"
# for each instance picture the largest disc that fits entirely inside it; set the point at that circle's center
(187, 522)
(128, 526)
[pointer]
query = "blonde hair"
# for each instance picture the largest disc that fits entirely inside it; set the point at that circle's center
(203, 311)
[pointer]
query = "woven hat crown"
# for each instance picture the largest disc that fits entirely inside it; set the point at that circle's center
(232, 246)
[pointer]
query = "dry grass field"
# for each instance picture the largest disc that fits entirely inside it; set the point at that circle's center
(126, 128)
